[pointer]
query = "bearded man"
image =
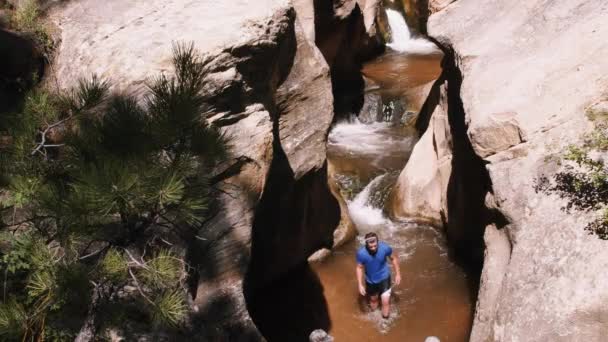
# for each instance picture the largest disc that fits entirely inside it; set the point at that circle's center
(372, 261)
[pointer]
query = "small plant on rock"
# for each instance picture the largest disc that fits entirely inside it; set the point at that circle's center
(583, 181)
(26, 19)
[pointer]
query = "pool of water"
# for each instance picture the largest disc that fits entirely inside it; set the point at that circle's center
(434, 297)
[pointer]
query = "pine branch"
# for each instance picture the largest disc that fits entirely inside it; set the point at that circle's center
(141, 292)
(42, 144)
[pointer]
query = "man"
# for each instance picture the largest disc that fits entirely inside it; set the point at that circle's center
(371, 261)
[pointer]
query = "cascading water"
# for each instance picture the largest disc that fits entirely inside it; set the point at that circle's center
(400, 33)
(433, 298)
(401, 39)
(364, 214)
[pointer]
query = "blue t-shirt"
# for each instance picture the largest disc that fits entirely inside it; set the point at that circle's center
(376, 269)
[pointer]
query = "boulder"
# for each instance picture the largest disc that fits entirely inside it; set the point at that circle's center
(421, 190)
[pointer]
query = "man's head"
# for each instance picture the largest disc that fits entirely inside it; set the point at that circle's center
(371, 242)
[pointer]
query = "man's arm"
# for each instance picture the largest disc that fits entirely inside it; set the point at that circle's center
(395, 262)
(360, 270)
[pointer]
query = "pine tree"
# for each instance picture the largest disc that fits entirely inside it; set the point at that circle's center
(95, 183)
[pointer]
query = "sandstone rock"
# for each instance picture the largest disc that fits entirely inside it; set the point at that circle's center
(271, 91)
(5, 18)
(372, 108)
(346, 230)
(94, 34)
(496, 261)
(496, 132)
(546, 62)
(346, 37)
(438, 5)
(421, 190)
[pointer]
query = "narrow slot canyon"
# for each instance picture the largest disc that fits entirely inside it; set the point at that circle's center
(208, 170)
(367, 153)
(383, 102)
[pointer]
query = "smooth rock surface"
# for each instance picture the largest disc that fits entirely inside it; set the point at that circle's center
(128, 41)
(421, 190)
(544, 63)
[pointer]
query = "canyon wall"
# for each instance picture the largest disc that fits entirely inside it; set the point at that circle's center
(270, 90)
(518, 79)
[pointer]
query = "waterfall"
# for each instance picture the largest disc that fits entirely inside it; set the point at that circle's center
(400, 32)
(401, 39)
(375, 138)
(366, 217)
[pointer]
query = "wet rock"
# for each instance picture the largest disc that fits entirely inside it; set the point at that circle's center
(320, 336)
(372, 108)
(346, 230)
(271, 91)
(517, 57)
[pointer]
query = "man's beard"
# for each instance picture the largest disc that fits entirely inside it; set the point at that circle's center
(370, 251)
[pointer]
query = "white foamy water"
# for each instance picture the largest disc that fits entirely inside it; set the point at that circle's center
(359, 138)
(364, 215)
(401, 37)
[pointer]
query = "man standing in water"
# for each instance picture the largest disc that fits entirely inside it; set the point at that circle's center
(371, 261)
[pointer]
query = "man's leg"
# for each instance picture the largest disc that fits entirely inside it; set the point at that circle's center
(373, 301)
(386, 303)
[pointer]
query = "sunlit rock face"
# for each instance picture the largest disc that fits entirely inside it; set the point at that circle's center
(522, 75)
(272, 95)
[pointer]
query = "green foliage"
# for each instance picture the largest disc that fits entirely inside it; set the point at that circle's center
(26, 252)
(162, 271)
(114, 266)
(170, 308)
(584, 181)
(26, 15)
(26, 18)
(95, 180)
(13, 317)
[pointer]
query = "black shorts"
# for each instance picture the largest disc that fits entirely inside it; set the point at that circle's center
(372, 289)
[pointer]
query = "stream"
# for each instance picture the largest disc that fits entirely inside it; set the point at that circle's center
(367, 153)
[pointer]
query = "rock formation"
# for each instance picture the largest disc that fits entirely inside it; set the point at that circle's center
(518, 78)
(271, 92)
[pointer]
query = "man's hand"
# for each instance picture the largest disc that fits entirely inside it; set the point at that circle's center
(395, 262)
(362, 289)
(398, 279)
(360, 279)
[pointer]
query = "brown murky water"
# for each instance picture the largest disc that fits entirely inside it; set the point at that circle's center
(434, 296)
(405, 75)
(432, 299)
